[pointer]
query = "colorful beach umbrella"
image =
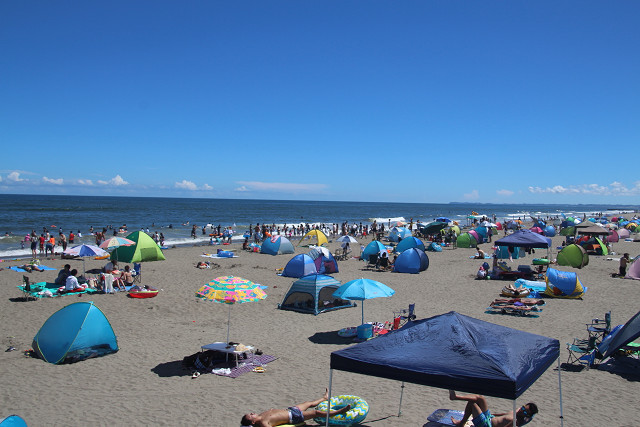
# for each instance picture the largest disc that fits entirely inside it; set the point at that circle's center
(85, 251)
(231, 290)
(115, 241)
(362, 289)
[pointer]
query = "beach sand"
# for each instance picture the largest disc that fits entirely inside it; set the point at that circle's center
(144, 383)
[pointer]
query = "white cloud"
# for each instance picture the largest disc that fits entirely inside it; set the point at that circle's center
(117, 181)
(504, 192)
(207, 187)
(85, 182)
(283, 187)
(613, 189)
(58, 181)
(474, 195)
(186, 185)
(15, 177)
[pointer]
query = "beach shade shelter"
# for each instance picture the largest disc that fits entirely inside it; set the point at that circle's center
(314, 237)
(85, 251)
(143, 250)
(591, 230)
(455, 229)
(477, 236)
(231, 290)
(573, 256)
(362, 289)
(276, 245)
(623, 233)
(301, 265)
(524, 239)
(432, 227)
(412, 261)
(375, 247)
(613, 236)
(76, 332)
(549, 231)
(466, 240)
(408, 243)
(346, 239)
(313, 294)
(434, 247)
(596, 246)
(324, 260)
(633, 272)
(629, 332)
(568, 231)
(454, 351)
(398, 233)
(13, 421)
(483, 232)
(563, 284)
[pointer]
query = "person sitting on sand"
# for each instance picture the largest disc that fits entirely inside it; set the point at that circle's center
(202, 265)
(480, 254)
(72, 283)
(127, 276)
(624, 260)
(293, 415)
(111, 267)
(61, 280)
(482, 417)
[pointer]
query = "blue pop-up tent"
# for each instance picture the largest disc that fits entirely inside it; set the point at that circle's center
(277, 245)
(412, 261)
(454, 351)
(301, 265)
(76, 332)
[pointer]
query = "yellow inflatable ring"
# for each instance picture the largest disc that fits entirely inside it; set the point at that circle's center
(357, 413)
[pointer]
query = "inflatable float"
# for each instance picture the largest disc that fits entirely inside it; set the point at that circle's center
(357, 413)
(146, 292)
(348, 332)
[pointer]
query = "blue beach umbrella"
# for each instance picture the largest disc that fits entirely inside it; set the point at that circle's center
(362, 289)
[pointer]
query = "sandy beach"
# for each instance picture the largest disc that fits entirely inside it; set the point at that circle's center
(144, 383)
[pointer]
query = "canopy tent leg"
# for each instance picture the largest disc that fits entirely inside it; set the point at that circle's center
(329, 402)
(514, 413)
(401, 393)
(560, 392)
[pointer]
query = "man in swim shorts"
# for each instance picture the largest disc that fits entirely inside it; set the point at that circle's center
(482, 417)
(292, 415)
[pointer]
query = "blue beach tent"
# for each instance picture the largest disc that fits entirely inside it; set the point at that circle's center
(314, 294)
(375, 247)
(13, 421)
(412, 261)
(277, 245)
(301, 265)
(434, 247)
(74, 333)
(398, 233)
(408, 243)
(454, 351)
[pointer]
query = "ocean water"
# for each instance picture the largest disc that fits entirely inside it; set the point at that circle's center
(174, 217)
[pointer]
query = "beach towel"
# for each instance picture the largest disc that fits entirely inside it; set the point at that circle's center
(232, 372)
(216, 256)
(22, 270)
(485, 257)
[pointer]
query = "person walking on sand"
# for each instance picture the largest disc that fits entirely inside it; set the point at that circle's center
(482, 417)
(622, 271)
(292, 415)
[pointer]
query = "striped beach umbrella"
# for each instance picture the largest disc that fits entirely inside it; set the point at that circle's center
(231, 290)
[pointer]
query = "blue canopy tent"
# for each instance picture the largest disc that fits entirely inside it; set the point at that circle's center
(525, 239)
(454, 351)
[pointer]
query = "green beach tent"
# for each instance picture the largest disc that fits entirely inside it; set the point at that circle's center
(144, 250)
(573, 255)
(466, 240)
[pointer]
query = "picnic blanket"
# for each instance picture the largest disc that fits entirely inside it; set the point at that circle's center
(48, 290)
(22, 270)
(232, 372)
(216, 256)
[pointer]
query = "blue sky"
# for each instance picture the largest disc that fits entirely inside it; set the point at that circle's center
(413, 101)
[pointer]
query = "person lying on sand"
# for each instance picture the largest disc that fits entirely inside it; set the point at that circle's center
(29, 268)
(482, 417)
(292, 415)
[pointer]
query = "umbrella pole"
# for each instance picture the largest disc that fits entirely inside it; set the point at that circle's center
(329, 401)
(362, 306)
(228, 323)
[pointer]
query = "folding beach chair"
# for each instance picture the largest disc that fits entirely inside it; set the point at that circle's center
(582, 352)
(137, 272)
(26, 289)
(600, 328)
(403, 316)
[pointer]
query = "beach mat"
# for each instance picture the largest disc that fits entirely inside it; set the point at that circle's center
(233, 372)
(215, 256)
